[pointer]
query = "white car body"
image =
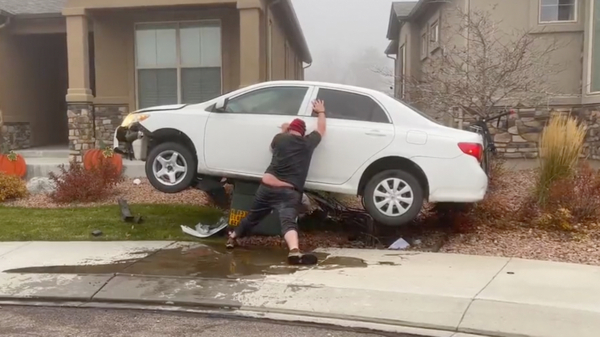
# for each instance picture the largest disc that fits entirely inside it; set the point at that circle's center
(236, 145)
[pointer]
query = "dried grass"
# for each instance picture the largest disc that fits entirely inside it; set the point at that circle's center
(561, 143)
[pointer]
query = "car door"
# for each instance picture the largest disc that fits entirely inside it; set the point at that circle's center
(238, 140)
(357, 129)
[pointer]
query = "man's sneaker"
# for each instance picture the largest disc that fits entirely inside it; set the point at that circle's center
(231, 243)
(295, 258)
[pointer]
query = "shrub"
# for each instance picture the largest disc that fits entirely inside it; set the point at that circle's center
(76, 184)
(11, 187)
(573, 200)
(561, 143)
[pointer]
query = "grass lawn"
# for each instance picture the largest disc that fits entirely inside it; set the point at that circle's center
(161, 222)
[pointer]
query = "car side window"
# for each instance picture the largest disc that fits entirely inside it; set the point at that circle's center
(346, 105)
(269, 101)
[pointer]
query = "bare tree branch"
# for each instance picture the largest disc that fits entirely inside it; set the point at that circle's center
(495, 67)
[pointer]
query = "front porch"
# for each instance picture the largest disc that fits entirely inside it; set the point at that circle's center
(45, 159)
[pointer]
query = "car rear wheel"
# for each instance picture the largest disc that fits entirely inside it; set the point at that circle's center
(393, 197)
(170, 167)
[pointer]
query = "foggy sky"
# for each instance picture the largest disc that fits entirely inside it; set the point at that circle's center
(347, 26)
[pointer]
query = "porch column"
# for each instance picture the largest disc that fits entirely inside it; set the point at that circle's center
(250, 41)
(80, 109)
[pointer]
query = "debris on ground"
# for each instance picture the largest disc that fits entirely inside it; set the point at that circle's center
(203, 231)
(97, 233)
(399, 244)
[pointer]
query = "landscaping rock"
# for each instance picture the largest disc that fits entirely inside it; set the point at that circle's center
(41, 185)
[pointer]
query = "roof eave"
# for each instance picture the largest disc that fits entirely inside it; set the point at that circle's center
(6, 13)
(392, 48)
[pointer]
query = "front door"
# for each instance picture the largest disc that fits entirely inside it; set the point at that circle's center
(238, 140)
(357, 129)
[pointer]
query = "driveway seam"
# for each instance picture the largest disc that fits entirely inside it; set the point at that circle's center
(102, 287)
(479, 292)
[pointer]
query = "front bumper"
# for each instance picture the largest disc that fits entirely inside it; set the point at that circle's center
(129, 141)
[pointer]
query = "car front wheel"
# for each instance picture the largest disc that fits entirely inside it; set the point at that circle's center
(393, 197)
(170, 167)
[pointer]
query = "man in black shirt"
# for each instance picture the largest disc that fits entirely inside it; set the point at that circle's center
(282, 184)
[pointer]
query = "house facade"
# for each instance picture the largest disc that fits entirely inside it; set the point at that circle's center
(416, 31)
(70, 70)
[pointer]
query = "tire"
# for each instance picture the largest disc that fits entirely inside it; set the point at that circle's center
(185, 159)
(403, 216)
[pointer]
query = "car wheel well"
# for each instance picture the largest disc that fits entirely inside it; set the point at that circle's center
(400, 163)
(171, 135)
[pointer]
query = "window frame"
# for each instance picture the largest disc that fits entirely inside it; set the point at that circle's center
(402, 53)
(307, 95)
(179, 66)
(590, 71)
(424, 51)
(575, 14)
(434, 29)
(315, 95)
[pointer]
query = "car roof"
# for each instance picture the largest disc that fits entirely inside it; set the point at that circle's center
(327, 84)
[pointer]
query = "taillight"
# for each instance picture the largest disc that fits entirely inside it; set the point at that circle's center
(472, 149)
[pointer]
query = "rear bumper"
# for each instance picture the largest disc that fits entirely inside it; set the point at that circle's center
(459, 179)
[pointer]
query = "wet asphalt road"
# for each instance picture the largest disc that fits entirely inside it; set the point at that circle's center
(71, 322)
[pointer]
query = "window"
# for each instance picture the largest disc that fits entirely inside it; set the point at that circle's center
(424, 44)
(435, 32)
(269, 101)
(558, 10)
(178, 63)
(346, 105)
(595, 47)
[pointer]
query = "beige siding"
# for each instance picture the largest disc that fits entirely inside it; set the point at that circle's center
(284, 59)
(115, 51)
(522, 15)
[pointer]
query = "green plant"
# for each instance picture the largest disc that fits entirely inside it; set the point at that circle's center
(561, 144)
(11, 187)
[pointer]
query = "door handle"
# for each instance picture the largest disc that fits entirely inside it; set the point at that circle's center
(376, 133)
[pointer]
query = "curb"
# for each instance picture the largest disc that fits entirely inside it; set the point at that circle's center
(335, 322)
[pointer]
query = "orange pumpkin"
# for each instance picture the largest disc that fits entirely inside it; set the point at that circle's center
(92, 158)
(13, 164)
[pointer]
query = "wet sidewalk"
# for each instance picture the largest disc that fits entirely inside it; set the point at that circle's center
(449, 293)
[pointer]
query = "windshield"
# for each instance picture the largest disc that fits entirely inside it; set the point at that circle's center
(418, 111)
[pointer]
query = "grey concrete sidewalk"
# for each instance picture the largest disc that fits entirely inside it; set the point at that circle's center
(449, 293)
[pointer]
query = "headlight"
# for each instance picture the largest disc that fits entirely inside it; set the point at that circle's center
(133, 118)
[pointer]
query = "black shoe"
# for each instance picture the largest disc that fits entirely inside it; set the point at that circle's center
(296, 258)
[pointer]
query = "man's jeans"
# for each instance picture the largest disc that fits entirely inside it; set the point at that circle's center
(267, 198)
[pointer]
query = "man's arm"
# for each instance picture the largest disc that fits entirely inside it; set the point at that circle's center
(319, 109)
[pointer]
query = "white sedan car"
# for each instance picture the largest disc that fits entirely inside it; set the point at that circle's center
(377, 147)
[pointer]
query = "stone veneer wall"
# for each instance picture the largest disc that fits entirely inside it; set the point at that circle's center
(107, 118)
(518, 136)
(16, 135)
(81, 130)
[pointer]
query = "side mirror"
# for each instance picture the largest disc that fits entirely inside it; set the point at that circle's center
(221, 105)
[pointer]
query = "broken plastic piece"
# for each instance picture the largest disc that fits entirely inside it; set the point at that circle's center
(204, 231)
(399, 244)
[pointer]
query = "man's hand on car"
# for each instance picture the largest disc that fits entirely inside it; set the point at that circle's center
(319, 106)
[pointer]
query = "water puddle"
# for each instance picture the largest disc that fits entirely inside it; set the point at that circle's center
(199, 260)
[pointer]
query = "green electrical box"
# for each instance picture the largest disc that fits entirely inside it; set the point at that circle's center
(243, 196)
